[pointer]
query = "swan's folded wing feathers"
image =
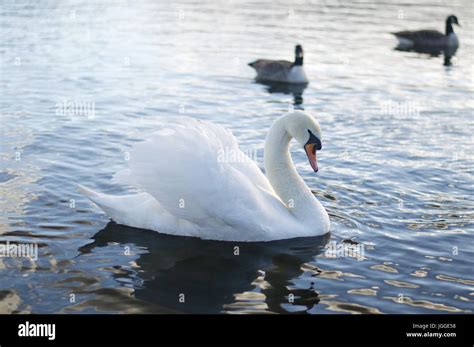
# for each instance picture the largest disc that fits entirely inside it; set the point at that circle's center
(180, 167)
(166, 165)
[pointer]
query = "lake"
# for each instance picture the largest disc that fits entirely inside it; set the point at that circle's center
(81, 82)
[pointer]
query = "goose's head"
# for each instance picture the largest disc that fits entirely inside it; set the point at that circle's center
(298, 55)
(305, 129)
(452, 20)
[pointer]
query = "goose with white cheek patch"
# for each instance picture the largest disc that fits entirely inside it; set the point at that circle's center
(429, 40)
(282, 71)
(190, 187)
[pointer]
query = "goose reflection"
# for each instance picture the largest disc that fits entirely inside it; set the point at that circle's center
(215, 276)
(447, 53)
(285, 88)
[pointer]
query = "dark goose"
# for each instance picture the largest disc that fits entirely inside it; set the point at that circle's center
(282, 71)
(430, 41)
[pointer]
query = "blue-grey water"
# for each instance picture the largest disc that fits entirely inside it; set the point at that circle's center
(82, 81)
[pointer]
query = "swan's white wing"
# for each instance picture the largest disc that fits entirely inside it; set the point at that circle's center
(197, 172)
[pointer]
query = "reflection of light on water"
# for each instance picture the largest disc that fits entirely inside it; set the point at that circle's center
(462, 298)
(423, 303)
(9, 302)
(419, 273)
(247, 302)
(385, 268)
(401, 284)
(454, 279)
(142, 65)
(363, 291)
(348, 307)
(260, 282)
(328, 274)
(15, 192)
(112, 300)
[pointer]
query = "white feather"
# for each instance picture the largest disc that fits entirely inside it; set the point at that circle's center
(189, 190)
(404, 43)
(297, 75)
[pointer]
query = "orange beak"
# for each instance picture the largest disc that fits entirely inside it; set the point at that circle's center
(310, 150)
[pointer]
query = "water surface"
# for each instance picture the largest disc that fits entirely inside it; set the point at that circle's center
(81, 82)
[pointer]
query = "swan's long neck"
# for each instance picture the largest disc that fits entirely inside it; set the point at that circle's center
(282, 174)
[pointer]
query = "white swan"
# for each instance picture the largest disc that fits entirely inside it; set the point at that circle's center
(197, 182)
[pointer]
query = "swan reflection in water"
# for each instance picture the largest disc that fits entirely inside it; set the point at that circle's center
(295, 89)
(215, 276)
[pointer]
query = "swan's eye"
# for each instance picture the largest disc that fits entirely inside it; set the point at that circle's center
(314, 140)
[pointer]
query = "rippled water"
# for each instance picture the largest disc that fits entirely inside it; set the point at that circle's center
(396, 172)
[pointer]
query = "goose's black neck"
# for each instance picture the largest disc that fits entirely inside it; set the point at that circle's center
(298, 61)
(449, 27)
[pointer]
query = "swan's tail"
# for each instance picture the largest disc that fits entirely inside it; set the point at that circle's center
(110, 204)
(87, 192)
(133, 210)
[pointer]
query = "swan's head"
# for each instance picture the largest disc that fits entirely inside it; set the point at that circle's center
(305, 129)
